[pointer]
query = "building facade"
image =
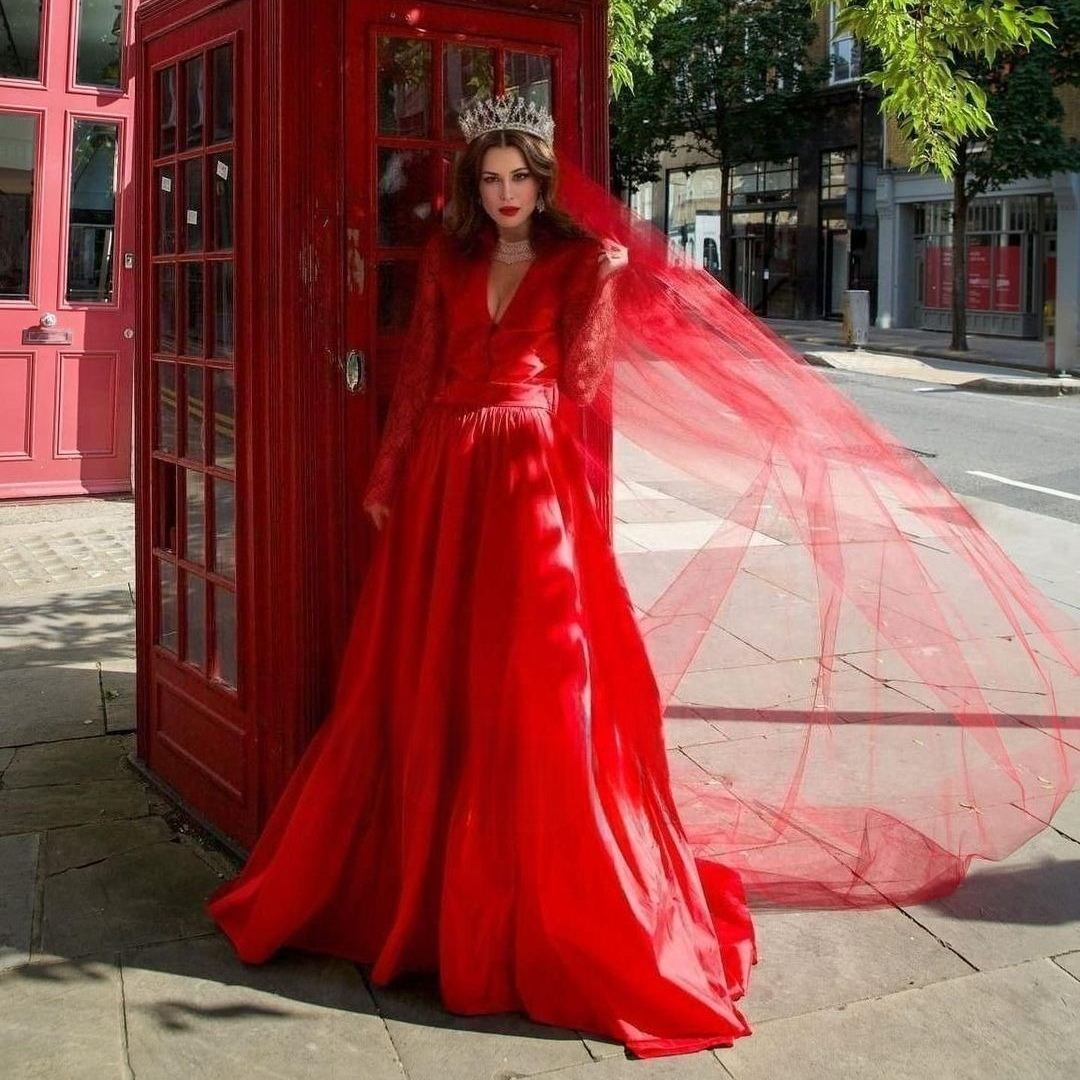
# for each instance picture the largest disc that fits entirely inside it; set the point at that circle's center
(803, 229)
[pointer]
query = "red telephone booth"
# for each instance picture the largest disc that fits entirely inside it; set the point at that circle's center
(291, 160)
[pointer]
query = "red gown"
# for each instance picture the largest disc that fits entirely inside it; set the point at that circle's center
(489, 797)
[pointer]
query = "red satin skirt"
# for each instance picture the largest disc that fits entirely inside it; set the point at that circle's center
(489, 798)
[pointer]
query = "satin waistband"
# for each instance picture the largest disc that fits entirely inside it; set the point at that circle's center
(480, 394)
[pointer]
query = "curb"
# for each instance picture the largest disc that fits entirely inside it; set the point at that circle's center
(1047, 387)
(918, 352)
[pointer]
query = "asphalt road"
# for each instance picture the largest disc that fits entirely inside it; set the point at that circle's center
(959, 434)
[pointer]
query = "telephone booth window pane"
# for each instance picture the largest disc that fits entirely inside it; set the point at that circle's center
(166, 408)
(92, 211)
(166, 210)
(404, 86)
(221, 65)
(195, 517)
(195, 620)
(222, 194)
(195, 413)
(193, 204)
(406, 196)
(165, 338)
(221, 297)
(165, 505)
(225, 636)
(224, 420)
(529, 76)
(397, 286)
(167, 111)
(225, 527)
(168, 616)
(193, 308)
(18, 156)
(20, 43)
(469, 72)
(101, 28)
(194, 102)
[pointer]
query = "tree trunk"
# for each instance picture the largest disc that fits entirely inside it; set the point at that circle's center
(959, 250)
(727, 253)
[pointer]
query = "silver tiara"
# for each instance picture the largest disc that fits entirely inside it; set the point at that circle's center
(507, 111)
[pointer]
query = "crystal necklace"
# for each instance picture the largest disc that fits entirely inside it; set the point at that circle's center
(513, 251)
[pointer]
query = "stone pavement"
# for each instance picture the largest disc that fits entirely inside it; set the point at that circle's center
(993, 365)
(109, 968)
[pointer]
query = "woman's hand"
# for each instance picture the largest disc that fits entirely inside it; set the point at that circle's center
(378, 512)
(613, 256)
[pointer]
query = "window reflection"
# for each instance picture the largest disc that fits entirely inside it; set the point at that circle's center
(165, 328)
(194, 517)
(194, 437)
(194, 102)
(222, 300)
(225, 636)
(166, 209)
(168, 615)
(166, 408)
(225, 527)
(529, 75)
(20, 41)
(101, 30)
(18, 157)
(222, 181)
(406, 196)
(404, 86)
(222, 73)
(193, 309)
(224, 420)
(193, 204)
(469, 72)
(195, 621)
(92, 211)
(166, 82)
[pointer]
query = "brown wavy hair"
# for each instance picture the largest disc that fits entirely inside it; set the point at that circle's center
(465, 216)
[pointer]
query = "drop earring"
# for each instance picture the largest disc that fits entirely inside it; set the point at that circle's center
(540, 203)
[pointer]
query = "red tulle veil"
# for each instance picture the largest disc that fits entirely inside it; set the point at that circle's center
(915, 705)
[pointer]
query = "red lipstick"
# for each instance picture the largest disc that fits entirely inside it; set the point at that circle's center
(508, 211)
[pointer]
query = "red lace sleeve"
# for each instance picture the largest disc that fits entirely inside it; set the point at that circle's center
(417, 374)
(588, 321)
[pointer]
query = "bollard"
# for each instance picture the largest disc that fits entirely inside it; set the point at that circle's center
(855, 306)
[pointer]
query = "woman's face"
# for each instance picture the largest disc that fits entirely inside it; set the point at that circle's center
(508, 189)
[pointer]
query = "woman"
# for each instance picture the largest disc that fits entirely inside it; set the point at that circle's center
(489, 797)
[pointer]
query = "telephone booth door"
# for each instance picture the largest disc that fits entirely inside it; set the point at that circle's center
(409, 70)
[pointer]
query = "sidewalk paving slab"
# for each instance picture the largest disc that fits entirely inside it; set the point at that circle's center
(1022, 908)
(1069, 962)
(138, 896)
(194, 1010)
(436, 1045)
(1013, 1023)
(61, 1019)
(18, 880)
(41, 704)
(843, 956)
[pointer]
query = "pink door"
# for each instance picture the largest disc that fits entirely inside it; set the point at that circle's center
(66, 247)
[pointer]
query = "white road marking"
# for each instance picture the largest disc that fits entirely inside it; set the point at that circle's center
(1021, 484)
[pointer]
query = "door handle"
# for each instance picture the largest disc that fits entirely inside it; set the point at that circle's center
(353, 366)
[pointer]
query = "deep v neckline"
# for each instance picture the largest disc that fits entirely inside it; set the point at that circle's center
(486, 281)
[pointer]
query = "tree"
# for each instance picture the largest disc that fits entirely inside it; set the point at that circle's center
(731, 79)
(1025, 139)
(630, 29)
(926, 50)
